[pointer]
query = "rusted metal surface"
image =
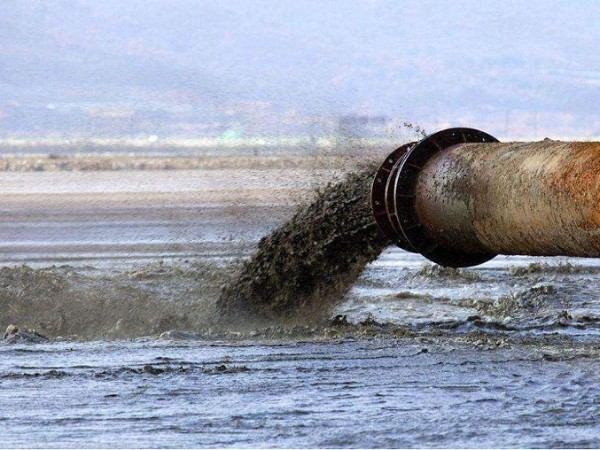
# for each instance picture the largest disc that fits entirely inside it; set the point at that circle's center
(471, 201)
(518, 199)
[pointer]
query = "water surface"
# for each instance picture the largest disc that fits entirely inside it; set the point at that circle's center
(504, 354)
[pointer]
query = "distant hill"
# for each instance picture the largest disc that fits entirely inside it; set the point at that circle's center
(528, 66)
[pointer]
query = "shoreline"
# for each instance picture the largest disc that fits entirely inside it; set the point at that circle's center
(45, 160)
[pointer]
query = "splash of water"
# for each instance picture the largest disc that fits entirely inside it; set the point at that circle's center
(306, 265)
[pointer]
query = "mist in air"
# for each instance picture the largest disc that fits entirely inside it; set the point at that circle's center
(238, 69)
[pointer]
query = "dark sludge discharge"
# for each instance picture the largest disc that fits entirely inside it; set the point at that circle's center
(307, 264)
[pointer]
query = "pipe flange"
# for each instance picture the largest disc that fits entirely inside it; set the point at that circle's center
(405, 217)
(382, 197)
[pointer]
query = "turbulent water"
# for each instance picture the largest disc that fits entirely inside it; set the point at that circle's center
(504, 354)
(307, 265)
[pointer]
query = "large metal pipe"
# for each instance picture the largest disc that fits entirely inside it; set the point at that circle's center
(459, 197)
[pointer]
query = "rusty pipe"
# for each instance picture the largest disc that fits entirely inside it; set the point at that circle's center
(459, 197)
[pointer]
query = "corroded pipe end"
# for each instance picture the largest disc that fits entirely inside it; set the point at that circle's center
(394, 199)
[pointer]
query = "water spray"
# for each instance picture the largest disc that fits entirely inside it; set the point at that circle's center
(459, 197)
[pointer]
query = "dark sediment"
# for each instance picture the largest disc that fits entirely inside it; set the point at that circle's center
(307, 265)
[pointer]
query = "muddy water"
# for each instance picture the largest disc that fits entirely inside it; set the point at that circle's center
(308, 264)
(505, 354)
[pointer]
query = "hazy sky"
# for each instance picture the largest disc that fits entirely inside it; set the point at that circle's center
(528, 64)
